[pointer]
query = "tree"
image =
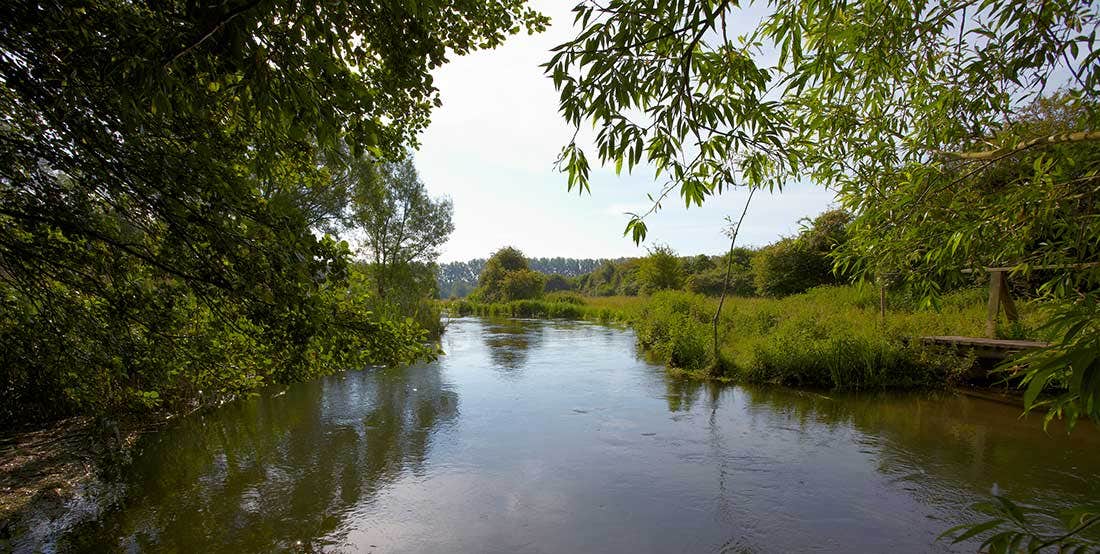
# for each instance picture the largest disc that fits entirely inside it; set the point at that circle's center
(942, 95)
(556, 283)
(507, 277)
(522, 284)
(162, 188)
(795, 265)
(908, 109)
(660, 270)
(401, 223)
(698, 264)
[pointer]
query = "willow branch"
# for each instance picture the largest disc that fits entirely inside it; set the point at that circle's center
(1052, 140)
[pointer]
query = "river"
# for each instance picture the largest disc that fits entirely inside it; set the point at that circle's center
(536, 436)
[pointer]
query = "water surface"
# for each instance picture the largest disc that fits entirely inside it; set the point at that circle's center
(533, 436)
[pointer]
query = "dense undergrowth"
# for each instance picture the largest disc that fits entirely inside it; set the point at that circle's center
(829, 337)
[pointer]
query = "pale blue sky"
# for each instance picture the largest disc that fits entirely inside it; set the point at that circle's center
(492, 146)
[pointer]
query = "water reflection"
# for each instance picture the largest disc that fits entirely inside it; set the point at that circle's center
(568, 441)
(949, 441)
(509, 341)
(279, 471)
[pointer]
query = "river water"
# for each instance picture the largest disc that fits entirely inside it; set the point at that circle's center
(535, 436)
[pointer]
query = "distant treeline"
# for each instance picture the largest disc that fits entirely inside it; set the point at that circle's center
(788, 266)
(459, 279)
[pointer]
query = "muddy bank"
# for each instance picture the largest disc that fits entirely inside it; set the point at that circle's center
(56, 476)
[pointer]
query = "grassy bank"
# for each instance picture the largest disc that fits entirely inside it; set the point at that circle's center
(829, 337)
(560, 306)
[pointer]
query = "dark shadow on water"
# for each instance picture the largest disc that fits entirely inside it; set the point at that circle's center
(278, 471)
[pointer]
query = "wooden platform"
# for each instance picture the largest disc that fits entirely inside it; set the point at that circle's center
(998, 349)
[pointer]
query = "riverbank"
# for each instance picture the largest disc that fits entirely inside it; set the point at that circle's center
(828, 337)
(49, 475)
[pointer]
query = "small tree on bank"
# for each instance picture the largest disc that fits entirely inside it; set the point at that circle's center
(660, 270)
(507, 277)
(402, 225)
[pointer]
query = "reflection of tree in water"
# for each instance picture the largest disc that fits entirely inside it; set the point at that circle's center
(276, 472)
(682, 394)
(962, 443)
(509, 340)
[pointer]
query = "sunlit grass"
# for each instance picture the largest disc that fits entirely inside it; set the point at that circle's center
(829, 337)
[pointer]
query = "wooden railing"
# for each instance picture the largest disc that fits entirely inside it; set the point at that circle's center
(999, 295)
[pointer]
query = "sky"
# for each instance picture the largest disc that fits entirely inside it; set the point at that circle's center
(491, 148)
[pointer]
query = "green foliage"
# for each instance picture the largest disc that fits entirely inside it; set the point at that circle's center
(710, 282)
(563, 307)
(829, 337)
(556, 282)
(1071, 364)
(611, 278)
(506, 277)
(930, 120)
(674, 326)
(521, 285)
(401, 224)
(166, 176)
(460, 278)
(1016, 528)
(698, 264)
(795, 265)
(567, 297)
(789, 267)
(411, 296)
(660, 270)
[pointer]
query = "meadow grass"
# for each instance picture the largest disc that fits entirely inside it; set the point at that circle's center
(829, 337)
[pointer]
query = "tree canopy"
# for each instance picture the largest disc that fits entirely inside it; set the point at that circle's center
(660, 270)
(507, 277)
(401, 223)
(922, 115)
(164, 183)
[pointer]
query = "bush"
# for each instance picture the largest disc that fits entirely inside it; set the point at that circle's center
(674, 325)
(710, 282)
(790, 267)
(523, 284)
(795, 265)
(660, 270)
(556, 282)
(507, 277)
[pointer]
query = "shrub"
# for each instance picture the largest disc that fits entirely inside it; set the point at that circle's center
(507, 277)
(710, 282)
(795, 265)
(523, 284)
(567, 297)
(660, 270)
(674, 325)
(557, 282)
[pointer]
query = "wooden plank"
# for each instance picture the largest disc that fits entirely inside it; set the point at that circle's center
(996, 349)
(1008, 344)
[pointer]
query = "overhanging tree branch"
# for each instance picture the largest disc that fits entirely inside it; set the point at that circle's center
(1052, 140)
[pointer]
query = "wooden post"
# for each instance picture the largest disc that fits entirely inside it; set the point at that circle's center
(1006, 300)
(882, 302)
(996, 284)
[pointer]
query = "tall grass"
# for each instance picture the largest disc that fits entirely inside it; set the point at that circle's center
(829, 337)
